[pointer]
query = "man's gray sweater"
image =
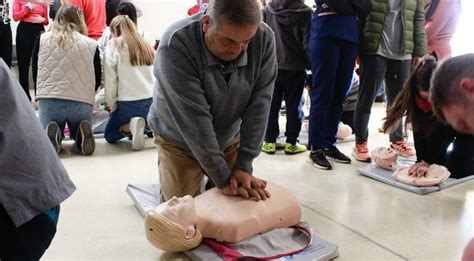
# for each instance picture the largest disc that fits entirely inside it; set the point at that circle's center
(195, 108)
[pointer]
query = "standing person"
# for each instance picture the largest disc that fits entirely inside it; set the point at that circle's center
(94, 15)
(33, 182)
(290, 21)
(441, 21)
(393, 38)
(128, 82)
(333, 48)
(215, 75)
(452, 92)
(5, 33)
(33, 17)
(61, 56)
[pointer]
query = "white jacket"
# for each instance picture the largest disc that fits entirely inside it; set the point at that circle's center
(124, 82)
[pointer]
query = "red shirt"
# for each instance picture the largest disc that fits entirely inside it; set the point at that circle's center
(23, 13)
(94, 15)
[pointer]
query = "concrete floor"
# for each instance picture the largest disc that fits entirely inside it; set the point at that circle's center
(368, 220)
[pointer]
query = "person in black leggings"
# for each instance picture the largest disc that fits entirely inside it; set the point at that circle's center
(5, 33)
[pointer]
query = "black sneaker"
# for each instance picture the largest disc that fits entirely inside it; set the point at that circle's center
(318, 159)
(337, 156)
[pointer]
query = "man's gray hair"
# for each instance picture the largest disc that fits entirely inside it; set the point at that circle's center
(446, 80)
(236, 12)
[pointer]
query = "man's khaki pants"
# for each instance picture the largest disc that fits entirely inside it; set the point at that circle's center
(180, 172)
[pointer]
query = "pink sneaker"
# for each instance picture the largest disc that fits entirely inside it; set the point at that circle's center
(402, 148)
(361, 152)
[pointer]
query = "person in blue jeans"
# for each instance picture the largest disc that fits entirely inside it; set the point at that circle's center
(129, 82)
(333, 49)
(290, 21)
(67, 72)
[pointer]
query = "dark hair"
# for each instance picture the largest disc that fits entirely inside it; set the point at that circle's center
(446, 79)
(404, 104)
(111, 10)
(241, 12)
(129, 9)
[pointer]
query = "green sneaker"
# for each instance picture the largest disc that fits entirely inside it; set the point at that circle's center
(296, 148)
(269, 147)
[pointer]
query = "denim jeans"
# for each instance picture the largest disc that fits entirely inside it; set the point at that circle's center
(65, 111)
(122, 115)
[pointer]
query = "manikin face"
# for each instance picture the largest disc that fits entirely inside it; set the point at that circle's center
(180, 211)
(225, 40)
(384, 153)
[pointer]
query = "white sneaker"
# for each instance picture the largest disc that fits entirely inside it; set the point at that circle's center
(137, 128)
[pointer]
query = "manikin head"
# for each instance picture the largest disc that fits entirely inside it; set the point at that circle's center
(435, 175)
(452, 92)
(229, 26)
(385, 158)
(343, 131)
(172, 225)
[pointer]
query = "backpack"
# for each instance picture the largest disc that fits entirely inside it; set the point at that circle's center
(350, 7)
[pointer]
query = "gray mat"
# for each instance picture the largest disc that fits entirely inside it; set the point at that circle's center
(385, 176)
(319, 250)
(147, 196)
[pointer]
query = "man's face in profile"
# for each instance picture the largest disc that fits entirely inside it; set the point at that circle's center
(227, 41)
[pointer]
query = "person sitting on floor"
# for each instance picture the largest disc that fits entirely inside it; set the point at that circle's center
(129, 82)
(66, 65)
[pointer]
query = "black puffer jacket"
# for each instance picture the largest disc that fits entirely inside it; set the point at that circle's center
(290, 20)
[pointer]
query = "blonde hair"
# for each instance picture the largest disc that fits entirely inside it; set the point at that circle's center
(128, 39)
(167, 236)
(67, 22)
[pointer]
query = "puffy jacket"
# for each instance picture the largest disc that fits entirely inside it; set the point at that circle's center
(67, 73)
(413, 17)
(290, 20)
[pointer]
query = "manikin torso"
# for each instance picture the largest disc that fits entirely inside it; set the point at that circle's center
(435, 175)
(233, 219)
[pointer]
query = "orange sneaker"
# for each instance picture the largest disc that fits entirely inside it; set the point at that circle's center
(361, 152)
(402, 148)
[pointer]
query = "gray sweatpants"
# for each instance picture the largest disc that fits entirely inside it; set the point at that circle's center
(374, 69)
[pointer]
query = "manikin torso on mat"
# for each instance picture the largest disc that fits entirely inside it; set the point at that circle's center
(232, 219)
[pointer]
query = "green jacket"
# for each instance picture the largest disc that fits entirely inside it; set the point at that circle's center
(413, 17)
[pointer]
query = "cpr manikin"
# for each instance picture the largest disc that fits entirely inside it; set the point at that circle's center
(180, 223)
(434, 175)
(425, 175)
(385, 158)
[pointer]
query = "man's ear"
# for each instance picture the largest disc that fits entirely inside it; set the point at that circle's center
(467, 86)
(206, 23)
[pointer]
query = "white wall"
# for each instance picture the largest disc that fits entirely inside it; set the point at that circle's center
(463, 39)
(157, 14)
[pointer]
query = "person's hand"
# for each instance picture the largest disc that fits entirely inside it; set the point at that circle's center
(415, 61)
(37, 19)
(248, 186)
(418, 170)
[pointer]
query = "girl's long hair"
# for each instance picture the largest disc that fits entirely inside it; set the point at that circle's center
(69, 20)
(405, 102)
(128, 39)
